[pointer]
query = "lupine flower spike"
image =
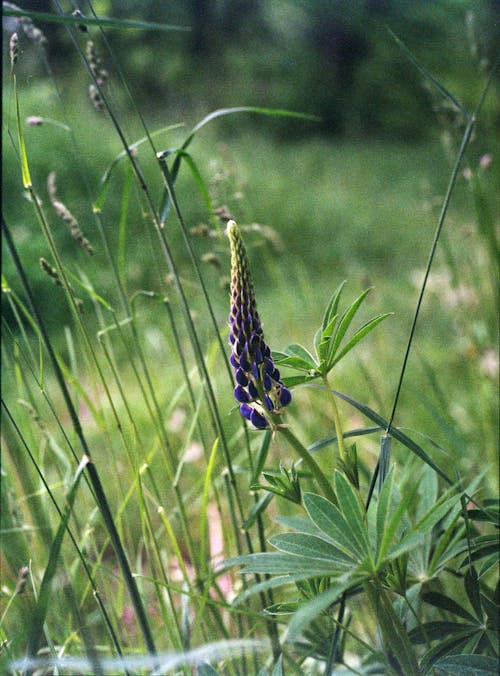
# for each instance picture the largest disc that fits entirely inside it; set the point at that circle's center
(259, 389)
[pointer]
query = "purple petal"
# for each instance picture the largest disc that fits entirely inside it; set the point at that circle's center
(285, 396)
(258, 420)
(268, 402)
(241, 395)
(246, 411)
(245, 364)
(268, 383)
(253, 391)
(241, 378)
(234, 361)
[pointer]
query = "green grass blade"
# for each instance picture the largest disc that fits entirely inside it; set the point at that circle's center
(204, 554)
(40, 610)
(69, 19)
(25, 171)
(426, 74)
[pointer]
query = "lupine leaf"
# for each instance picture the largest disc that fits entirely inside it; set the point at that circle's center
(395, 432)
(40, 610)
(299, 524)
(471, 584)
(490, 562)
(344, 324)
(395, 635)
(294, 362)
(430, 631)
(385, 507)
(392, 526)
(333, 303)
(359, 335)
(445, 603)
(351, 508)
(282, 608)
(492, 611)
(443, 648)
(488, 514)
(467, 665)
(330, 520)
(325, 339)
(482, 546)
(277, 563)
(408, 543)
(436, 513)
(293, 381)
(301, 544)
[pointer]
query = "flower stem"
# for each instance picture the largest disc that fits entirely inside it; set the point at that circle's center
(310, 462)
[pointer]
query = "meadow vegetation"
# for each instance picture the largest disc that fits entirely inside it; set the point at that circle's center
(146, 526)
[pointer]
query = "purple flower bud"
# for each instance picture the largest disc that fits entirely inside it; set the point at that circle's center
(240, 377)
(268, 402)
(285, 396)
(268, 383)
(253, 390)
(258, 420)
(246, 411)
(241, 395)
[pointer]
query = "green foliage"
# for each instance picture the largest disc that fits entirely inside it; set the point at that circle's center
(327, 341)
(129, 493)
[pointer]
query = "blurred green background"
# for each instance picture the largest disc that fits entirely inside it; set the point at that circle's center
(355, 194)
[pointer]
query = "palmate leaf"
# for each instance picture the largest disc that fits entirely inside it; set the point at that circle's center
(446, 647)
(301, 544)
(359, 335)
(335, 527)
(278, 563)
(354, 515)
(344, 324)
(445, 603)
(438, 629)
(297, 357)
(467, 665)
(333, 304)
